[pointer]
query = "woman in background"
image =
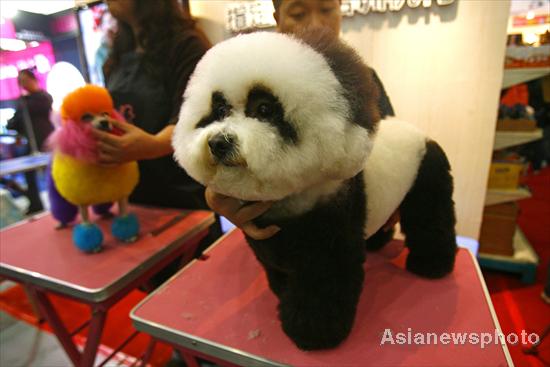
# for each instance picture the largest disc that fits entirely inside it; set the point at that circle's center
(36, 105)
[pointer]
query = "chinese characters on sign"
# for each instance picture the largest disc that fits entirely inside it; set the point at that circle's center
(350, 7)
(244, 15)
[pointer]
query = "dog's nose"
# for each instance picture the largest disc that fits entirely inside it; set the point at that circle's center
(221, 145)
(104, 125)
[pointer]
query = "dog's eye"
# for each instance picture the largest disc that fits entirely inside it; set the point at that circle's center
(221, 111)
(265, 110)
(87, 117)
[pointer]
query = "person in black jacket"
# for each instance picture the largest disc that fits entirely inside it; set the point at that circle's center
(35, 106)
(38, 104)
(155, 50)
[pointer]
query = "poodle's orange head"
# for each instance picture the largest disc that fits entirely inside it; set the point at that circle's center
(87, 100)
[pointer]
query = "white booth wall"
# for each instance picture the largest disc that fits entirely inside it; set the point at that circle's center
(442, 68)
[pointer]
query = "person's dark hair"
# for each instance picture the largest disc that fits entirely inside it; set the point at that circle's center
(277, 4)
(161, 22)
(27, 72)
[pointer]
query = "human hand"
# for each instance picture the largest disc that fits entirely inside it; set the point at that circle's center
(134, 144)
(240, 215)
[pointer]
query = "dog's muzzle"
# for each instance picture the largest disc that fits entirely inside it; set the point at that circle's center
(101, 123)
(104, 125)
(223, 148)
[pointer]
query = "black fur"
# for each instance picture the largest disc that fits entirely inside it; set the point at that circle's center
(315, 267)
(379, 239)
(356, 78)
(219, 110)
(264, 106)
(315, 263)
(428, 217)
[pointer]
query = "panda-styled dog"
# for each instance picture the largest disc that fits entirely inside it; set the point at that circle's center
(269, 117)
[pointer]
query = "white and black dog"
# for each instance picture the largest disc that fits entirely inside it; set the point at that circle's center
(269, 117)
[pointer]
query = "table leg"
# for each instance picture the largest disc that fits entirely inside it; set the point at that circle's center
(94, 335)
(148, 352)
(34, 305)
(48, 311)
(189, 359)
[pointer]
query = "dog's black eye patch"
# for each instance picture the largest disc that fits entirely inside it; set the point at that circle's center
(264, 106)
(87, 117)
(219, 109)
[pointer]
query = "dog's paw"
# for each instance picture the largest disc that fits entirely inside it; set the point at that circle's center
(432, 267)
(88, 237)
(316, 329)
(126, 228)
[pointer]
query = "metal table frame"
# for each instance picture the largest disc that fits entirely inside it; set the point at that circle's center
(24, 163)
(100, 300)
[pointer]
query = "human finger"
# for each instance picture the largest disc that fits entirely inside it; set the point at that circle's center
(106, 137)
(222, 204)
(249, 212)
(260, 233)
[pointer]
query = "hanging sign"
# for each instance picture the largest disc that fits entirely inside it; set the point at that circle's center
(248, 15)
(243, 15)
(350, 7)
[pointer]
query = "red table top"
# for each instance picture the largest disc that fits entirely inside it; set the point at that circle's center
(223, 307)
(36, 253)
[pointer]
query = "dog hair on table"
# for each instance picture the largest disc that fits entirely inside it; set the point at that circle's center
(268, 116)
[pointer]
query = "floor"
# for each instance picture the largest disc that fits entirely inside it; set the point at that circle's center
(25, 345)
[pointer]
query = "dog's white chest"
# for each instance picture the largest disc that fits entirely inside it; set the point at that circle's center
(391, 169)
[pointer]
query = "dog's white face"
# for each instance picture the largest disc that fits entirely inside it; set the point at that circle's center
(265, 117)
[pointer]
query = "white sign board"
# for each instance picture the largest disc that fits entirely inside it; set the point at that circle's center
(246, 15)
(350, 7)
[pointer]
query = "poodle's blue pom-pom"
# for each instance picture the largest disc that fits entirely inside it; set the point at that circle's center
(87, 237)
(126, 228)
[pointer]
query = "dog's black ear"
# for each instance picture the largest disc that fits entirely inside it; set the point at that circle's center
(354, 75)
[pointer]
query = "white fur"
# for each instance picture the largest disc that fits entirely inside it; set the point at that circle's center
(389, 174)
(329, 147)
(304, 201)
(391, 169)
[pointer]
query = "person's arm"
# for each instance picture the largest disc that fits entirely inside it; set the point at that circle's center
(134, 144)
(16, 122)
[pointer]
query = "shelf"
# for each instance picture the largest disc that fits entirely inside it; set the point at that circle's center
(524, 260)
(520, 75)
(505, 139)
(498, 196)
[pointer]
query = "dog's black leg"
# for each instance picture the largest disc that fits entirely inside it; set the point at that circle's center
(428, 217)
(379, 239)
(277, 280)
(318, 307)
